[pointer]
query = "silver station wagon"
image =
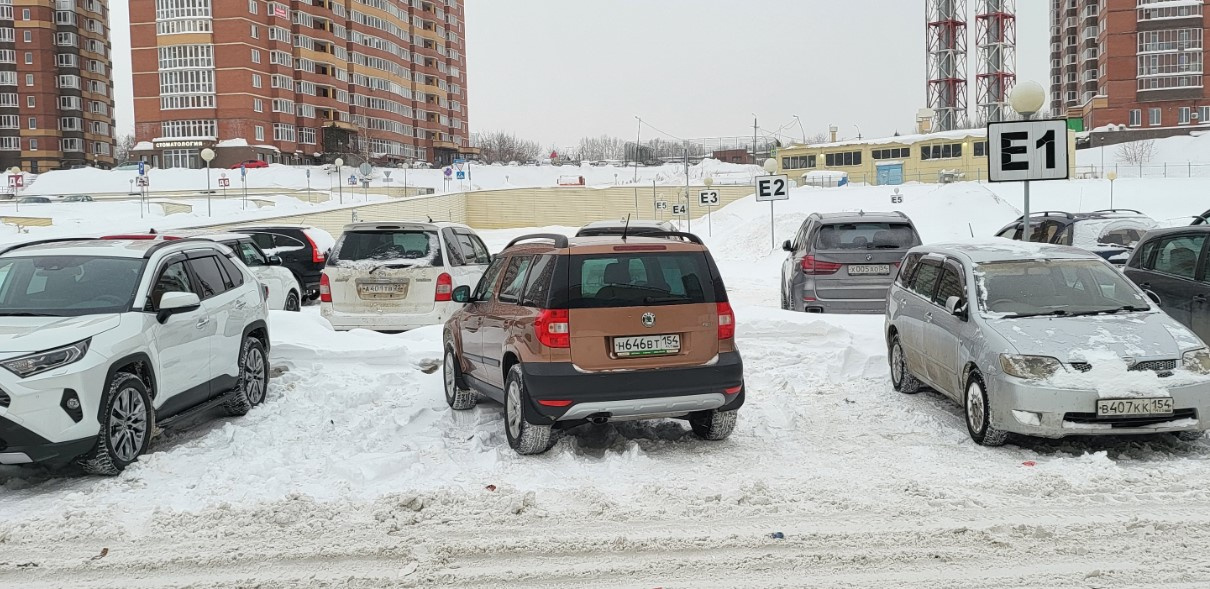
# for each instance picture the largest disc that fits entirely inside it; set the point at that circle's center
(1045, 341)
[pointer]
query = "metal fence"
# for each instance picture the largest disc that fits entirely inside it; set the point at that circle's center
(1153, 170)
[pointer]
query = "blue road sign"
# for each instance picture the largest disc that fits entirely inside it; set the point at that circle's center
(243, 171)
(142, 168)
(352, 180)
(461, 175)
(308, 174)
(460, 161)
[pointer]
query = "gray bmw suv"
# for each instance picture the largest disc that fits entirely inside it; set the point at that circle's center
(845, 262)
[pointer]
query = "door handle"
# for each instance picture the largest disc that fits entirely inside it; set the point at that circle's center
(1145, 286)
(1201, 298)
(203, 322)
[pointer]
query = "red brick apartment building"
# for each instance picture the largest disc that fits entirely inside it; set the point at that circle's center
(56, 98)
(299, 81)
(1137, 63)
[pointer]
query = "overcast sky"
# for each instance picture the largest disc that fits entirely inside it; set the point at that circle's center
(559, 70)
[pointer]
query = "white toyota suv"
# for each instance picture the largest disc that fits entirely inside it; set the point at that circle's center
(399, 276)
(103, 341)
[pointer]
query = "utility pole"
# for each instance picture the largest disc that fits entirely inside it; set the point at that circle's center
(688, 217)
(754, 127)
(637, 138)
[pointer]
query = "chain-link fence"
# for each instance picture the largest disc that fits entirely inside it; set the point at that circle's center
(1150, 170)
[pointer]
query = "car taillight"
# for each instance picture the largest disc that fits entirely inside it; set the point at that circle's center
(815, 267)
(726, 321)
(325, 289)
(445, 288)
(316, 255)
(264, 292)
(553, 328)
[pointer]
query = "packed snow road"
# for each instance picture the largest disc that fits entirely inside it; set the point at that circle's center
(355, 473)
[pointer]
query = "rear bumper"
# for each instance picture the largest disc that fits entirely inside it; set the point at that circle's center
(19, 445)
(387, 321)
(639, 394)
(819, 304)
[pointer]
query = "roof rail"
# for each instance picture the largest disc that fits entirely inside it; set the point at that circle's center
(18, 246)
(1119, 211)
(560, 240)
(167, 242)
(1047, 214)
(681, 234)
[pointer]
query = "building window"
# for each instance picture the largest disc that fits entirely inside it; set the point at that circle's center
(283, 132)
(66, 39)
(8, 121)
(69, 81)
(1136, 118)
(895, 153)
(189, 128)
(1184, 115)
(182, 16)
(258, 105)
(10, 143)
(255, 56)
(846, 158)
(33, 145)
(33, 123)
(980, 149)
(25, 14)
(71, 144)
(252, 6)
(260, 133)
(71, 124)
(798, 162)
(29, 79)
(28, 36)
(255, 32)
(181, 158)
(940, 152)
(256, 81)
(1154, 117)
(306, 135)
(29, 58)
(1203, 115)
(8, 78)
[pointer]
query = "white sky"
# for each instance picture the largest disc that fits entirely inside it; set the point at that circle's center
(559, 70)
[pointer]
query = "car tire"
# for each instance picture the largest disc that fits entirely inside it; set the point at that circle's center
(127, 423)
(293, 302)
(458, 398)
(901, 378)
(713, 425)
(524, 437)
(977, 410)
(1190, 436)
(253, 382)
(785, 300)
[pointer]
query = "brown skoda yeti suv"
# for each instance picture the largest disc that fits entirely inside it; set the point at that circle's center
(564, 332)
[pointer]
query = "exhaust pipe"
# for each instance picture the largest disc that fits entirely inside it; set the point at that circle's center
(600, 418)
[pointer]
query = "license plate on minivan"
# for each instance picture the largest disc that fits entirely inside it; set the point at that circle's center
(646, 345)
(869, 269)
(1134, 407)
(383, 290)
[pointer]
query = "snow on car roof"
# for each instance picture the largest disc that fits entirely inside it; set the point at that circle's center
(123, 248)
(998, 249)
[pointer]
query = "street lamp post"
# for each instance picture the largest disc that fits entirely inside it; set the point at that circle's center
(340, 180)
(1027, 98)
(207, 155)
(801, 129)
(1112, 176)
(709, 182)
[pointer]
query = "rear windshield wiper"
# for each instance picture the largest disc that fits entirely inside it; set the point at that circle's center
(668, 299)
(24, 314)
(1055, 313)
(389, 267)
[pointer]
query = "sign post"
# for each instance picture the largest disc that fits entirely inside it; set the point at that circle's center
(709, 199)
(386, 177)
(772, 188)
(224, 182)
(1023, 151)
(366, 169)
(308, 186)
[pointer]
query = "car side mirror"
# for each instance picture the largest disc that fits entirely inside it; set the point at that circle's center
(787, 246)
(1151, 295)
(177, 302)
(274, 260)
(462, 294)
(956, 307)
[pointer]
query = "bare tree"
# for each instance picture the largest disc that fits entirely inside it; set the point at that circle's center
(601, 148)
(122, 148)
(819, 138)
(1137, 152)
(499, 146)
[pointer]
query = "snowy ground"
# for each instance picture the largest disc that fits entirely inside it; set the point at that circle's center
(355, 474)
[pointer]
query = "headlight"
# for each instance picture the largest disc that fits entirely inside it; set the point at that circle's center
(27, 366)
(1197, 360)
(1030, 367)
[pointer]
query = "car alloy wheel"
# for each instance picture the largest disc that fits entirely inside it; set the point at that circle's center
(898, 366)
(254, 374)
(976, 411)
(447, 370)
(127, 425)
(513, 409)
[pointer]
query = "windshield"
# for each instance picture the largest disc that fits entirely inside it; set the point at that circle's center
(1055, 287)
(640, 280)
(846, 236)
(67, 286)
(392, 248)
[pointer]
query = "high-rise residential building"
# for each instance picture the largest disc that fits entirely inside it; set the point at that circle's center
(299, 81)
(56, 96)
(1137, 63)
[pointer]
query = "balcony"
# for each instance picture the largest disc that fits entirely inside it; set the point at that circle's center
(1090, 33)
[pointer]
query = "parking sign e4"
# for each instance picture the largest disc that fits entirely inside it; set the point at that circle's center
(1027, 150)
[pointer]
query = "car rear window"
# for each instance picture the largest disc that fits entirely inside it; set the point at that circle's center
(641, 279)
(845, 236)
(403, 247)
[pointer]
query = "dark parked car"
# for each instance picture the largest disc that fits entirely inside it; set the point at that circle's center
(77, 198)
(845, 262)
(1111, 233)
(303, 250)
(33, 200)
(1171, 263)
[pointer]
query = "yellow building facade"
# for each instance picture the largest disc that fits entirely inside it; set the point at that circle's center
(949, 156)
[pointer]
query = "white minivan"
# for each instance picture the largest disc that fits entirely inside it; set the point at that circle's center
(399, 276)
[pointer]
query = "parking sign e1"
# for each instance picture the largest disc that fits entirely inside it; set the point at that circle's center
(1027, 150)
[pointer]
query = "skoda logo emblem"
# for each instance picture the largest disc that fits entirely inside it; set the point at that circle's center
(648, 319)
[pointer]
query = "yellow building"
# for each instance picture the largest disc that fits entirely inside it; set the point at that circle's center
(933, 157)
